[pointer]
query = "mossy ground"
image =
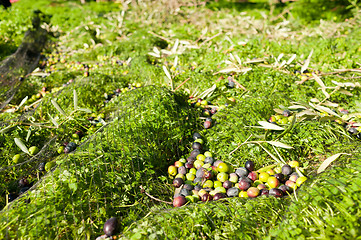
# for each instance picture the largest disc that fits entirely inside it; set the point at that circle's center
(106, 46)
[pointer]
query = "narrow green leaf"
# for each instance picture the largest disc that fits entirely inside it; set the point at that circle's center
(55, 104)
(21, 145)
(328, 161)
(75, 97)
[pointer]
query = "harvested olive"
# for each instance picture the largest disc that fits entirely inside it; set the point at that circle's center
(232, 192)
(286, 170)
(209, 160)
(196, 136)
(275, 192)
(111, 226)
(249, 165)
(197, 145)
(23, 183)
(188, 187)
(177, 182)
(185, 192)
(242, 172)
(218, 196)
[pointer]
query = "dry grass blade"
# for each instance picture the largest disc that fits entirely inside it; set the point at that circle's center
(328, 161)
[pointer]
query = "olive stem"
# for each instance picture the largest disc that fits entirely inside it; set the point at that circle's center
(154, 198)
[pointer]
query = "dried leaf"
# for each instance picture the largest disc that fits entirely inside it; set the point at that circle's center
(175, 63)
(279, 144)
(85, 110)
(154, 54)
(343, 91)
(55, 104)
(307, 62)
(280, 57)
(282, 64)
(75, 99)
(174, 48)
(291, 59)
(296, 107)
(207, 93)
(270, 126)
(28, 135)
(232, 57)
(156, 51)
(23, 101)
(315, 100)
(277, 110)
(323, 87)
(238, 59)
(325, 109)
(306, 112)
(53, 120)
(21, 145)
(328, 161)
(167, 72)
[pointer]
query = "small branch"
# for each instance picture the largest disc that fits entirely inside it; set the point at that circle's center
(209, 39)
(240, 145)
(161, 37)
(239, 85)
(181, 84)
(154, 198)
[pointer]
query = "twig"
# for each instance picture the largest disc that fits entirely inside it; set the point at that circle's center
(209, 39)
(240, 145)
(181, 84)
(154, 198)
(161, 37)
(239, 85)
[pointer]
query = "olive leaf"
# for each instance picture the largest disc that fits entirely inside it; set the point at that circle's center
(307, 62)
(23, 101)
(55, 104)
(328, 161)
(279, 144)
(53, 120)
(75, 97)
(270, 126)
(85, 110)
(21, 145)
(291, 59)
(208, 92)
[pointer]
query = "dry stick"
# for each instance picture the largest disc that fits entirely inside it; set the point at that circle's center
(240, 145)
(239, 85)
(161, 37)
(209, 39)
(181, 84)
(154, 198)
(358, 70)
